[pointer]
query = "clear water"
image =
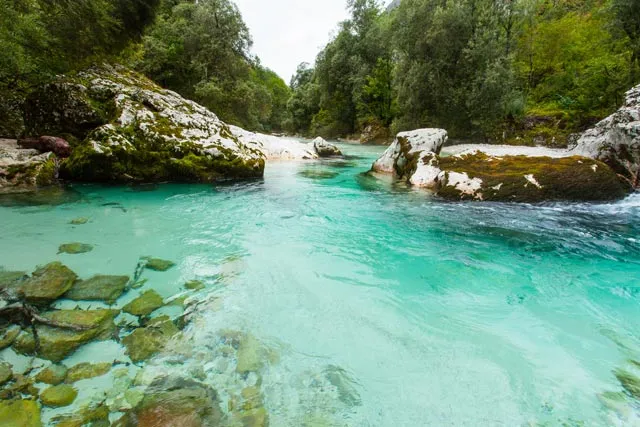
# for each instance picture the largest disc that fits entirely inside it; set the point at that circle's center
(436, 313)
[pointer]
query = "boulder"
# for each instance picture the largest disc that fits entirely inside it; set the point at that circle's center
(175, 402)
(47, 283)
(145, 304)
(616, 139)
(157, 264)
(401, 158)
(25, 170)
(57, 343)
(479, 176)
(20, 413)
(144, 343)
(275, 148)
(84, 371)
(98, 288)
(325, 149)
(47, 144)
(59, 395)
(53, 375)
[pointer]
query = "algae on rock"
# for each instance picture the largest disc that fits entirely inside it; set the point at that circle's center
(145, 304)
(53, 375)
(98, 288)
(75, 248)
(47, 283)
(59, 395)
(20, 413)
(143, 343)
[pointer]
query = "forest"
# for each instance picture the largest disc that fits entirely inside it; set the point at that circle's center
(519, 71)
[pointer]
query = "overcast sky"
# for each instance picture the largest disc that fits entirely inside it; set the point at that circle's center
(288, 32)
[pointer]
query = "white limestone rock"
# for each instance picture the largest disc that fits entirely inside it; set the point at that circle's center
(325, 149)
(401, 158)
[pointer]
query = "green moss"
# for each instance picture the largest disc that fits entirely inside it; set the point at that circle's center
(504, 179)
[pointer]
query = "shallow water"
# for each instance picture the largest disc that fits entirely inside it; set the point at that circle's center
(424, 312)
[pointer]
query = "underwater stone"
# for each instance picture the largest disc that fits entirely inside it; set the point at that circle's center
(194, 285)
(83, 371)
(630, 382)
(144, 343)
(249, 355)
(79, 221)
(92, 416)
(53, 375)
(9, 278)
(8, 336)
(158, 264)
(98, 288)
(47, 283)
(145, 304)
(20, 413)
(59, 395)
(75, 248)
(5, 372)
(57, 343)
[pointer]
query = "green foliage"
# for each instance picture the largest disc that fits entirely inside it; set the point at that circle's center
(201, 50)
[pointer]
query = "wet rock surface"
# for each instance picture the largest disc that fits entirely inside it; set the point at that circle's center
(98, 288)
(25, 170)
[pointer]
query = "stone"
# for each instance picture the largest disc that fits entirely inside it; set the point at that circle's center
(325, 149)
(257, 417)
(195, 285)
(8, 336)
(56, 343)
(79, 221)
(375, 133)
(20, 413)
(46, 144)
(521, 178)
(615, 140)
(27, 170)
(92, 416)
(249, 355)
(6, 373)
(59, 396)
(21, 385)
(401, 158)
(75, 248)
(98, 288)
(84, 371)
(47, 283)
(53, 375)
(144, 343)
(145, 304)
(157, 264)
(10, 278)
(629, 381)
(175, 402)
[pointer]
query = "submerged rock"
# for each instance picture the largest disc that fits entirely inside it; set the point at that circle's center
(629, 381)
(59, 395)
(98, 288)
(402, 156)
(47, 283)
(53, 375)
(79, 221)
(616, 139)
(194, 285)
(83, 371)
(25, 170)
(176, 402)
(57, 343)
(8, 336)
(325, 149)
(145, 304)
(144, 343)
(74, 248)
(157, 264)
(6, 373)
(20, 413)
(93, 416)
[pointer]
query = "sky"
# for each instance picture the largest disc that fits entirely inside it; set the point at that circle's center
(288, 32)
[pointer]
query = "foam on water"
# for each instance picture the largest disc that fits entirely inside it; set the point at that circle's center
(385, 306)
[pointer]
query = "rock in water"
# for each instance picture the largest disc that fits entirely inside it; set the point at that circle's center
(145, 304)
(5, 373)
(616, 139)
(74, 248)
(98, 288)
(325, 149)
(20, 413)
(133, 130)
(53, 375)
(402, 156)
(83, 371)
(59, 395)
(25, 170)
(143, 343)
(47, 283)
(157, 264)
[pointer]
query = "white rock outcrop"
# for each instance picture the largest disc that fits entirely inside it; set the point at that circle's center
(324, 148)
(616, 139)
(404, 154)
(274, 147)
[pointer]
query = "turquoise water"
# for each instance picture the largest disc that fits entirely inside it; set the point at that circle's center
(435, 313)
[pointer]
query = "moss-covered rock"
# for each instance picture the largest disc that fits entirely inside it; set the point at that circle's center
(75, 248)
(157, 264)
(527, 179)
(20, 413)
(194, 285)
(145, 304)
(98, 288)
(84, 371)
(57, 343)
(176, 402)
(6, 373)
(59, 395)
(47, 283)
(92, 416)
(8, 336)
(53, 375)
(132, 130)
(144, 343)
